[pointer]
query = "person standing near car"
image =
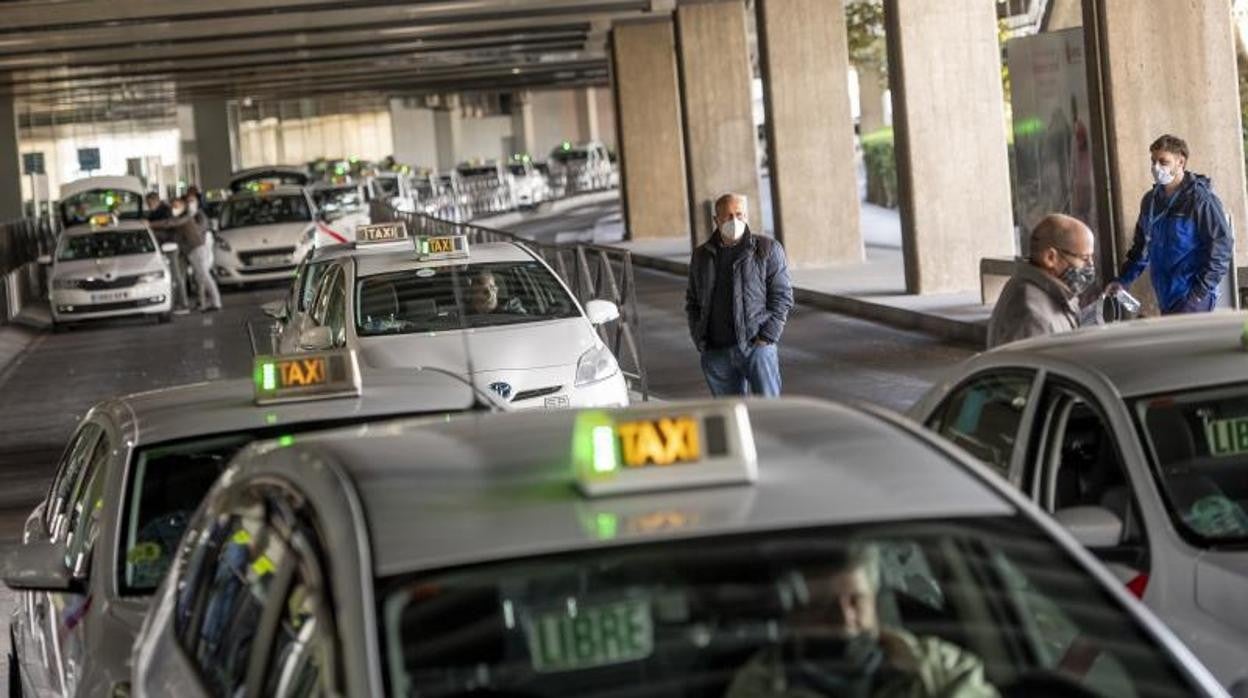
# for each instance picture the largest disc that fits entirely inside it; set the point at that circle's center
(1182, 236)
(157, 210)
(188, 227)
(737, 302)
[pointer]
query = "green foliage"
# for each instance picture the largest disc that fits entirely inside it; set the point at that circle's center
(864, 22)
(881, 162)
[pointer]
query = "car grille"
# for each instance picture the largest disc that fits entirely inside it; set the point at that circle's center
(106, 307)
(266, 270)
(536, 393)
(247, 257)
(107, 284)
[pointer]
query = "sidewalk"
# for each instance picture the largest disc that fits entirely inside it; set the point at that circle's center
(27, 328)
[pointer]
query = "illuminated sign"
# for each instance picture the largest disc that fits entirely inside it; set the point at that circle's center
(380, 232)
(1227, 437)
(306, 377)
(101, 220)
(442, 247)
(663, 441)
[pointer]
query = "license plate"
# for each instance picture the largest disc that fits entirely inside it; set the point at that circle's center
(270, 260)
(592, 636)
(112, 296)
(556, 402)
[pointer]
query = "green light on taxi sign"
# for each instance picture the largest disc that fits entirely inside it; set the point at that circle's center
(605, 459)
(285, 440)
(109, 200)
(268, 376)
(606, 525)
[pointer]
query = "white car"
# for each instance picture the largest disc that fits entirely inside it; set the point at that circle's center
(495, 311)
(1135, 436)
(583, 167)
(529, 184)
(83, 198)
(341, 208)
(132, 475)
(261, 235)
(108, 268)
(269, 176)
(689, 549)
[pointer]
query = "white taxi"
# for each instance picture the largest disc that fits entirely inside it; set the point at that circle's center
(135, 470)
(108, 268)
(262, 233)
(121, 196)
(1135, 436)
(495, 311)
(769, 548)
(341, 206)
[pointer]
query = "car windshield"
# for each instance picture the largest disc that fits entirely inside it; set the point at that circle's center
(455, 297)
(566, 156)
(1199, 445)
(108, 243)
(77, 209)
(275, 178)
(478, 172)
(339, 200)
(517, 170)
(975, 607)
(387, 186)
(264, 210)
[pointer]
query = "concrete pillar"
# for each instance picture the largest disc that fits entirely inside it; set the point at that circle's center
(1145, 91)
(412, 132)
(523, 132)
(213, 146)
(448, 129)
(587, 114)
(948, 118)
(717, 109)
(871, 83)
(810, 130)
(10, 162)
(649, 131)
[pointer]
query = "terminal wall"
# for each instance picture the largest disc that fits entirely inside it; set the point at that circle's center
(412, 134)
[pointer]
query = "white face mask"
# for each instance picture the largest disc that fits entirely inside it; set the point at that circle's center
(732, 229)
(178, 210)
(192, 206)
(1162, 175)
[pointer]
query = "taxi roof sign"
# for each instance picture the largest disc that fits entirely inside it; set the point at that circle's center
(441, 247)
(668, 448)
(102, 220)
(307, 376)
(380, 232)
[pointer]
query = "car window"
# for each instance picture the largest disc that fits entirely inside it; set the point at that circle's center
(301, 661)
(335, 315)
(86, 505)
(324, 295)
(100, 245)
(1198, 443)
(1086, 467)
(937, 608)
(75, 457)
(984, 415)
(77, 209)
(263, 209)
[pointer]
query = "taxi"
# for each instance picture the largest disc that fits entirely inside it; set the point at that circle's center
(691, 549)
(135, 470)
(1135, 437)
(108, 268)
(272, 175)
(262, 233)
(341, 206)
(120, 196)
(495, 311)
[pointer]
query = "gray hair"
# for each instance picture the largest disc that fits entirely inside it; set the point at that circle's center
(723, 199)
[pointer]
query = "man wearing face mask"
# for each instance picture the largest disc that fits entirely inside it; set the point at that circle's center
(189, 226)
(1043, 296)
(737, 303)
(1182, 235)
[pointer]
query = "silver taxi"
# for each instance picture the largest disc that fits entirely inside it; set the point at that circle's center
(133, 473)
(1135, 436)
(692, 549)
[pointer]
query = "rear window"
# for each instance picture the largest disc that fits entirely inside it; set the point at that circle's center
(1199, 447)
(339, 200)
(264, 210)
(113, 243)
(387, 186)
(941, 608)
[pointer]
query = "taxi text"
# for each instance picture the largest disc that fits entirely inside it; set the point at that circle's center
(665, 441)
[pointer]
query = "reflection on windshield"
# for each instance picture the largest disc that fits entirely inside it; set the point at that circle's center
(78, 208)
(335, 203)
(456, 297)
(1199, 443)
(112, 243)
(917, 610)
(264, 210)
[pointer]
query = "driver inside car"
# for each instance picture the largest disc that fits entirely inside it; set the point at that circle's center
(836, 645)
(483, 296)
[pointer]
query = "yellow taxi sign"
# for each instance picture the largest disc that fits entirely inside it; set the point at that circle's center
(308, 376)
(442, 246)
(102, 220)
(673, 447)
(380, 232)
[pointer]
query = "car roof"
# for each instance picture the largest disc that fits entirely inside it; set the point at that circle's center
(1146, 356)
(123, 182)
(483, 253)
(227, 406)
(475, 488)
(276, 190)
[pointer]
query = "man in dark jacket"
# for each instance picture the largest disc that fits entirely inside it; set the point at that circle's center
(187, 228)
(737, 302)
(157, 210)
(1182, 235)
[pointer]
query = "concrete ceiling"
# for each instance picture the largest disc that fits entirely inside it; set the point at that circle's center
(66, 60)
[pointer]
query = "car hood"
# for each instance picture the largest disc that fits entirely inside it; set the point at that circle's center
(544, 344)
(275, 235)
(108, 267)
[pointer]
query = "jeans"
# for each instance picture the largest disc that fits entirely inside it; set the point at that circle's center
(756, 371)
(201, 264)
(1204, 305)
(177, 280)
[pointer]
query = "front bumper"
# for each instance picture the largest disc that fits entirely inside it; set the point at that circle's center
(552, 388)
(234, 267)
(141, 299)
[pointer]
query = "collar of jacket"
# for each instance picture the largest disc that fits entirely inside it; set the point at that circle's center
(714, 245)
(1050, 284)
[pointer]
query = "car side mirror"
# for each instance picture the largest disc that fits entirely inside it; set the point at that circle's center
(1093, 527)
(169, 247)
(44, 259)
(316, 339)
(601, 312)
(275, 309)
(38, 567)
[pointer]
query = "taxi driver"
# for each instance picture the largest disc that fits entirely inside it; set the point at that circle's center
(839, 647)
(483, 296)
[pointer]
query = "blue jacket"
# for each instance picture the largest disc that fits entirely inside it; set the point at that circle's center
(762, 292)
(1186, 244)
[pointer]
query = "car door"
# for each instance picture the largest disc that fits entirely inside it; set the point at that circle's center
(1075, 469)
(988, 416)
(319, 306)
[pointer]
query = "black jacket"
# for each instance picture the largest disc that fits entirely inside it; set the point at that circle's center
(762, 292)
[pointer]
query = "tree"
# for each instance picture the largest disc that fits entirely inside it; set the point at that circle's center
(864, 22)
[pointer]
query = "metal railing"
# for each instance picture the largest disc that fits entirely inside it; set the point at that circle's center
(590, 271)
(23, 240)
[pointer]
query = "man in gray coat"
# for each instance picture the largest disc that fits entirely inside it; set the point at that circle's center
(1043, 296)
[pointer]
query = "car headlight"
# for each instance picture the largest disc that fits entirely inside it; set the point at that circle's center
(151, 276)
(222, 243)
(595, 365)
(66, 283)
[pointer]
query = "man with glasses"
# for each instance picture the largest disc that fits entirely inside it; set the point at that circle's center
(1043, 296)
